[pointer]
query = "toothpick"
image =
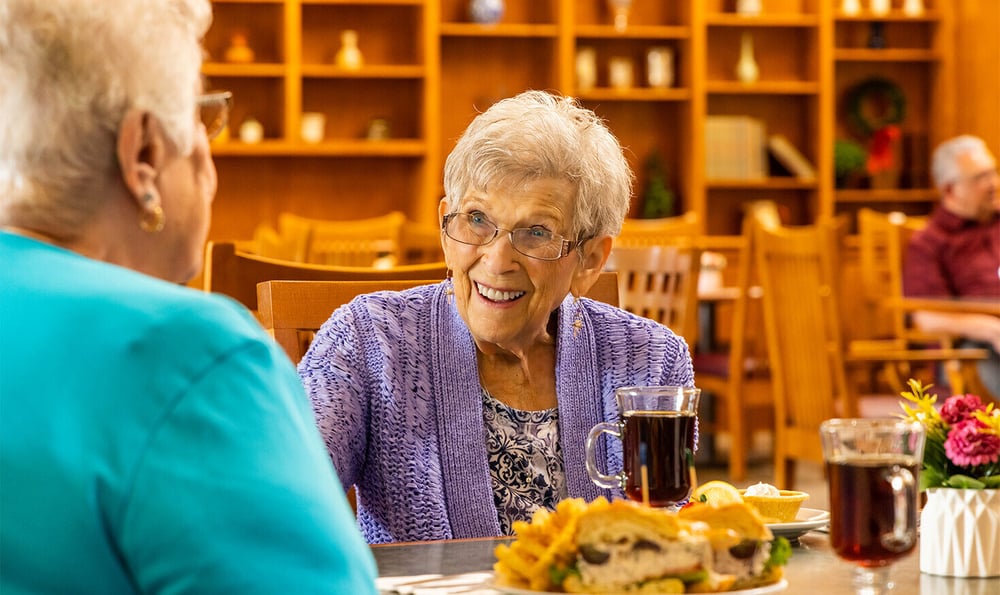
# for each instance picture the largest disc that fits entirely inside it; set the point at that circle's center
(644, 474)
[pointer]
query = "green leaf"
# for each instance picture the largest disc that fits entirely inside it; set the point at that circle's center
(932, 478)
(991, 482)
(557, 574)
(964, 481)
(781, 551)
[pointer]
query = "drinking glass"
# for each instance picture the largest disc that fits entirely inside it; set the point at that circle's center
(873, 468)
(657, 428)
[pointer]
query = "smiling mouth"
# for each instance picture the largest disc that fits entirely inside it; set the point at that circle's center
(495, 295)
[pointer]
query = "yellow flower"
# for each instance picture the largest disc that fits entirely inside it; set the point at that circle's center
(990, 417)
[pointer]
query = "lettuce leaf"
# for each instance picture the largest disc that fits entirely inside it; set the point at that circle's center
(781, 551)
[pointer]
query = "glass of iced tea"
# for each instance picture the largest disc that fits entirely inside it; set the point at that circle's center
(657, 430)
(873, 470)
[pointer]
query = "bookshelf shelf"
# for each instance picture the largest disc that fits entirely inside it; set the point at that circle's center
(900, 55)
(763, 88)
(916, 195)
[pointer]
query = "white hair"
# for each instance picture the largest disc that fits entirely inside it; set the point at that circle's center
(70, 70)
(540, 135)
(944, 164)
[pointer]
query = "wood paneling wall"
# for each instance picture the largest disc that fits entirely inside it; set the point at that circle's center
(977, 69)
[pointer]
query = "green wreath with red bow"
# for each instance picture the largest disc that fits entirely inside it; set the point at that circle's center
(874, 108)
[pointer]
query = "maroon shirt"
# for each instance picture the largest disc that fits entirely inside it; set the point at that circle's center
(953, 257)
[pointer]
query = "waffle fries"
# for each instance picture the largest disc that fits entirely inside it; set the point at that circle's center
(544, 547)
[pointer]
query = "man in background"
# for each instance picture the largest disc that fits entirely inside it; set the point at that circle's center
(958, 253)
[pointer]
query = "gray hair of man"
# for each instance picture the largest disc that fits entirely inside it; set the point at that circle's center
(944, 163)
(537, 135)
(71, 69)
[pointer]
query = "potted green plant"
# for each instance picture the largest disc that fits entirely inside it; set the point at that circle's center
(658, 199)
(849, 162)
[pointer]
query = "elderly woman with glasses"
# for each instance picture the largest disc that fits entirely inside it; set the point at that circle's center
(459, 408)
(153, 438)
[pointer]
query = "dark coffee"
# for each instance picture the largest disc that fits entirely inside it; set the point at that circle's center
(863, 505)
(669, 440)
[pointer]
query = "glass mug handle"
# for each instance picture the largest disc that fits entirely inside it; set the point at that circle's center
(903, 496)
(604, 481)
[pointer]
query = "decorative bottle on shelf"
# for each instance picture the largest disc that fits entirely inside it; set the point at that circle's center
(876, 36)
(913, 8)
(850, 8)
(746, 69)
(486, 12)
(748, 8)
(620, 10)
(880, 8)
(349, 56)
(586, 68)
(239, 50)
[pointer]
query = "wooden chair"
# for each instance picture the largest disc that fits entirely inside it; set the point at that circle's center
(661, 283)
(420, 243)
(659, 232)
(798, 273)
(883, 238)
(292, 311)
(236, 273)
(738, 379)
(358, 242)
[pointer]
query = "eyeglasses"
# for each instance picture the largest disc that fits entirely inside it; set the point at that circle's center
(475, 229)
(981, 178)
(213, 109)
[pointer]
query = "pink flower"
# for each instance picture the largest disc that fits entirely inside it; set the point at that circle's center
(966, 446)
(960, 407)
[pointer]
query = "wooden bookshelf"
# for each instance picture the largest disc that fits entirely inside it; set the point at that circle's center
(428, 70)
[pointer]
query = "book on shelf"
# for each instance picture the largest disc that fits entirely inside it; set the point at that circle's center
(790, 157)
(735, 148)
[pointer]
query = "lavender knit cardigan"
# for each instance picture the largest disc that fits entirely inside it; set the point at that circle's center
(394, 384)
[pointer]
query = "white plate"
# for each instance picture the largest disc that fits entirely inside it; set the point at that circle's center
(775, 588)
(806, 520)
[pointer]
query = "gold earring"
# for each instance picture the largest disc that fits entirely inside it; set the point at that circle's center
(159, 219)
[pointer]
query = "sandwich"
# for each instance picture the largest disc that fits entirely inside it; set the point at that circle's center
(624, 547)
(744, 549)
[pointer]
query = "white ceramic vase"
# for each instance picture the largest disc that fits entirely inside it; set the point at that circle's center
(960, 533)
(851, 8)
(486, 12)
(880, 8)
(913, 8)
(747, 71)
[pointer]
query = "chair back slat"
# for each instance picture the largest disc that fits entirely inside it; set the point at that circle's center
(236, 273)
(660, 283)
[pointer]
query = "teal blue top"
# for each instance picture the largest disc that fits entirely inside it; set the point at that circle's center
(154, 440)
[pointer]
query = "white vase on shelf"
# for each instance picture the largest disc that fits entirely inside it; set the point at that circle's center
(880, 8)
(747, 71)
(586, 68)
(913, 8)
(660, 67)
(748, 8)
(850, 8)
(486, 12)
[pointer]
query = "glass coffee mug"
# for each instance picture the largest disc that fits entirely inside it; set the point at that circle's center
(657, 430)
(873, 468)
